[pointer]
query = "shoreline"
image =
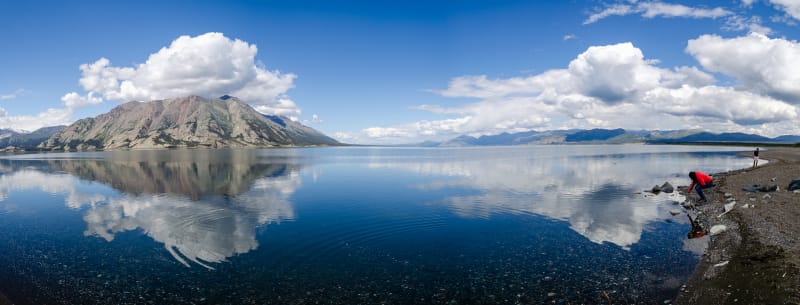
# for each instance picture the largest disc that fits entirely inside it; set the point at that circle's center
(757, 259)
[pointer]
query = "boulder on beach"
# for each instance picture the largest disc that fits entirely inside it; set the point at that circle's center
(794, 184)
(656, 189)
(718, 229)
(667, 188)
(761, 188)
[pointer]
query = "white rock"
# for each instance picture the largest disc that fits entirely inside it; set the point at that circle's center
(729, 206)
(718, 229)
(721, 264)
(766, 196)
(675, 212)
(728, 195)
(796, 191)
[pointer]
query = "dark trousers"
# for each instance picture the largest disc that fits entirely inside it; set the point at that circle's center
(700, 188)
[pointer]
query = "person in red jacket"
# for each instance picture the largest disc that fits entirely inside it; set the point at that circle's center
(700, 181)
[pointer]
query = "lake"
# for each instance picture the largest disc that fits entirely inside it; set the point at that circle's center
(350, 225)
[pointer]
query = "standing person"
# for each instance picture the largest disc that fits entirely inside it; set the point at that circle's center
(700, 181)
(755, 158)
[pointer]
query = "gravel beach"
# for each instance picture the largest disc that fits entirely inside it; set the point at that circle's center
(756, 260)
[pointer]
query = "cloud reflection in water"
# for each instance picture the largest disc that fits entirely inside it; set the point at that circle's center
(202, 216)
(595, 194)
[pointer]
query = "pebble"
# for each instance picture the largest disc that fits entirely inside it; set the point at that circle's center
(718, 229)
(728, 195)
(752, 199)
(766, 196)
(729, 199)
(796, 191)
(721, 264)
(551, 294)
(675, 212)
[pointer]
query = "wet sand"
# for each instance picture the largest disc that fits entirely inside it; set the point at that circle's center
(761, 244)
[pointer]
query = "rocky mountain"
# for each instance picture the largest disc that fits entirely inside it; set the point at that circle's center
(29, 140)
(191, 121)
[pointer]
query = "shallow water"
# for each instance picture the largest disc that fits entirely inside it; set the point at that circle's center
(533, 224)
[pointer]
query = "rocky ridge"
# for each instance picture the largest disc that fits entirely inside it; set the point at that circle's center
(191, 121)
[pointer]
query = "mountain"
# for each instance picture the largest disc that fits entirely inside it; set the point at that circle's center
(191, 121)
(9, 138)
(594, 135)
(519, 138)
(612, 136)
(714, 137)
(787, 139)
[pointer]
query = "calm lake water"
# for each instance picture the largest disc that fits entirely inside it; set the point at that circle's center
(535, 224)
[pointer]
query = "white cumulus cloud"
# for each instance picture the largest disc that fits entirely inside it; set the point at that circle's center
(49, 117)
(725, 103)
(765, 65)
(616, 86)
(75, 100)
(207, 65)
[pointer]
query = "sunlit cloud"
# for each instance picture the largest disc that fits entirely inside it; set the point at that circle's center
(207, 65)
(761, 64)
(790, 7)
(616, 86)
(656, 9)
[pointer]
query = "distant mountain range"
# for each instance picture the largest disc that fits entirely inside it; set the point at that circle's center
(195, 121)
(611, 136)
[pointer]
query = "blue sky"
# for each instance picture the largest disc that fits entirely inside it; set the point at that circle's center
(407, 71)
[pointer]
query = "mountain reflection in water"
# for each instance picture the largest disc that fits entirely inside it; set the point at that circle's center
(202, 211)
(529, 225)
